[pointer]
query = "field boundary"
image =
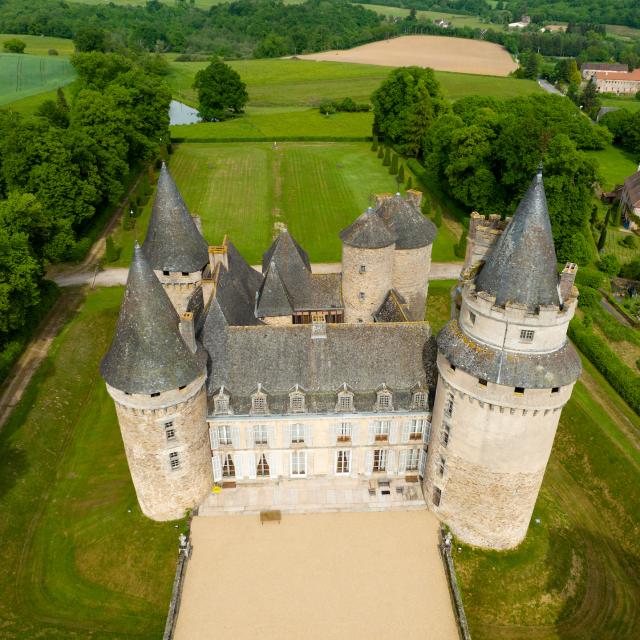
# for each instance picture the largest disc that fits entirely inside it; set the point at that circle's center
(456, 596)
(184, 553)
(182, 140)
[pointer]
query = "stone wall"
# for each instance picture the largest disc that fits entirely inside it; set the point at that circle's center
(179, 288)
(373, 283)
(411, 278)
(164, 493)
(495, 455)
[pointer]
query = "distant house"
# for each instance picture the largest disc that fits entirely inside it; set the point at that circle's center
(444, 24)
(618, 82)
(524, 21)
(553, 28)
(630, 200)
(588, 69)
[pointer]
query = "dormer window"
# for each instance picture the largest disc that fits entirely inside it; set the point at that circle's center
(384, 401)
(259, 402)
(296, 401)
(345, 401)
(221, 403)
(420, 400)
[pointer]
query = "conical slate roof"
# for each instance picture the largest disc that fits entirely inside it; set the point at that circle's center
(522, 265)
(173, 242)
(413, 230)
(285, 251)
(368, 232)
(147, 354)
(273, 297)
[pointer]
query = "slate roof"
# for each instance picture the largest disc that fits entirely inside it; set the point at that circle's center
(173, 242)
(632, 187)
(411, 228)
(286, 253)
(556, 369)
(147, 354)
(279, 357)
(603, 66)
(393, 309)
(368, 232)
(522, 265)
(273, 297)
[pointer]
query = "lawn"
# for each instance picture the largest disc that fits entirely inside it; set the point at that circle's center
(306, 82)
(455, 19)
(615, 165)
(41, 45)
(630, 104)
(247, 190)
(79, 559)
(577, 574)
(22, 76)
(272, 123)
(613, 245)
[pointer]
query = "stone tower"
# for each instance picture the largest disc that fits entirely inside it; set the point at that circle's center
(412, 256)
(368, 246)
(174, 247)
(506, 370)
(157, 382)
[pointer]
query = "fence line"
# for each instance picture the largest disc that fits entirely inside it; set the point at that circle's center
(174, 605)
(458, 607)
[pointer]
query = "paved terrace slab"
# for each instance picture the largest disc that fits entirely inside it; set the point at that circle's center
(324, 576)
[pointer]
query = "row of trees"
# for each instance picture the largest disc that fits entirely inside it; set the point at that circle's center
(485, 151)
(62, 167)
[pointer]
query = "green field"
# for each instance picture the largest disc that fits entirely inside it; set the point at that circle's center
(630, 104)
(577, 574)
(22, 76)
(274, 123)
(303, 83)
(615, 165)
(41, 45)
(79, 559)
(455, 19)
(246, 189)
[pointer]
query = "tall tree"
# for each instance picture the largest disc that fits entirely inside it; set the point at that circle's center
(221, 92)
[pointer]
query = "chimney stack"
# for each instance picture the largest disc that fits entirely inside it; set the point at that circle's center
(187, 330)
(567, 279)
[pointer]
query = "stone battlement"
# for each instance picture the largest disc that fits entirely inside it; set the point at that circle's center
(483, 233)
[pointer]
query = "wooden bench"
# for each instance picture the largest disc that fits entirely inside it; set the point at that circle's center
(270, 516)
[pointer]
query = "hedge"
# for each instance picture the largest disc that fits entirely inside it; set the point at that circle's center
(278, 139)
(621, 377)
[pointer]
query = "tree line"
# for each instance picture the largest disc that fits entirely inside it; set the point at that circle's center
(484, 151)
(62, 167)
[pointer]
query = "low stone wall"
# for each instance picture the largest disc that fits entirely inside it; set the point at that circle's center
(458, 607)
(174, 605)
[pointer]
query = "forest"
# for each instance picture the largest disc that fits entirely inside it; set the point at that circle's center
(63, 167)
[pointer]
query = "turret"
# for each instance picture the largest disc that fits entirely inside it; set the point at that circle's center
(157, 382)
(174, 247)
(506, 370)
(367, 266)
(412, 256)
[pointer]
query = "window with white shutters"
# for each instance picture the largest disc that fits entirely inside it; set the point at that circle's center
(416, 431)
(228, 467)
(213, 437)
(412, 459)
(297, 433)
(343, 462)
(344, 432)
(298, 463)
(262, 466)
(224, 434)
(381, 429)
(379, 460)
(260, 435)
(217, 468)
(422, 463)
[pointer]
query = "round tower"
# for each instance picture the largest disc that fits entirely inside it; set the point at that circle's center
(367, 266)
(174, 246)
(506, 370)
(412, 256)
(158, 386)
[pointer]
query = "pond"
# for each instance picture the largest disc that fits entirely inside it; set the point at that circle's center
(180, 113)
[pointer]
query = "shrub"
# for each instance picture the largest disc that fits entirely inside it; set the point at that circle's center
(638, 360)
(387, 157)
(14, 45)
(393, 169)
(374, 144)
(53, 52)
(327, 107)
(589, 297)
(603, 237)
(589, 277)
(128, 223)
(629, 242)
(587, 320)
(621, 377)
(112, 250)
(380, 151)
(609, 264)
(461, 248)
(437, 218)
(426, 205)
(409, 183)
(631, 270)
(401, 174)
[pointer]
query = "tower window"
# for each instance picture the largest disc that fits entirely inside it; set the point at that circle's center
(155, 395)
(174, 460)
(526, 335)
(446, 434)
(185, 273)
(519, 391)
(441, 466)
(448, 405)
(169, 431)
(452, 366)
(165, 273)
(472, 317)
(361, 295)
(437, 496)
(182, 387)
(482, 381)
(555, 390)
(363, 268)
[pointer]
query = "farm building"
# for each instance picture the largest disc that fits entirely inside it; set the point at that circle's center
(630, 200)
(588, 69)
(618, 82)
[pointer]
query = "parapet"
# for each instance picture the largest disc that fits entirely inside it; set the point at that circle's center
(483, 233)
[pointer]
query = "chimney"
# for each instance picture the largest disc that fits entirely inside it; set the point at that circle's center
(382, 197)
(318, 326)
(414, 197)
(187, 330)
(218, 255)
(567, 278)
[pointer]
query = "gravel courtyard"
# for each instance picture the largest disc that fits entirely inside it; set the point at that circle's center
(317, 576)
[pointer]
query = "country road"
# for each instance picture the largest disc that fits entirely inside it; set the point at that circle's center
(118, 275)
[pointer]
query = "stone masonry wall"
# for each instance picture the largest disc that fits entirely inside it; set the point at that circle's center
(375, 282)
(163, 493)
(411, 278)
(179, 288)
